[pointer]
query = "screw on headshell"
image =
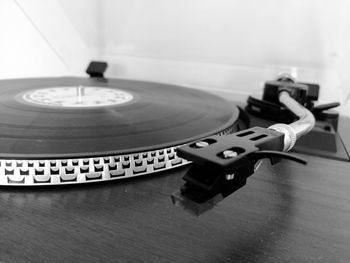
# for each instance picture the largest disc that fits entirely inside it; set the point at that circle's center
(229, 154)
(202, 144)
(230, 176)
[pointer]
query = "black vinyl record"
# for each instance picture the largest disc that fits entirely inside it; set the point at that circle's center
(78, 117)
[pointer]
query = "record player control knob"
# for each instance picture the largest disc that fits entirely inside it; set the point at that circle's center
(202, 144)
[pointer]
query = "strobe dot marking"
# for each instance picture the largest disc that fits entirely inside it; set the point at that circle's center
(66, 171)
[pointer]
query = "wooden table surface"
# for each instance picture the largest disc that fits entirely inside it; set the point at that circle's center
(285, 213)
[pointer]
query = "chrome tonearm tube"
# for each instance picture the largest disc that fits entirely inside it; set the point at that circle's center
(292, 132)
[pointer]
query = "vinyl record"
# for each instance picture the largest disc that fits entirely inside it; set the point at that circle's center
(84, 117)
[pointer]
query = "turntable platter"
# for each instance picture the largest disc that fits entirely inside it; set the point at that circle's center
(50, 120)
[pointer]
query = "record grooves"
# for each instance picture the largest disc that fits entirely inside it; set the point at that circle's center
(73, 130)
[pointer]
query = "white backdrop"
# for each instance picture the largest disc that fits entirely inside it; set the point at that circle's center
(38, 39)
(226, 45)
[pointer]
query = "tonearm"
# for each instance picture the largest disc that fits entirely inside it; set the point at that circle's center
(222, 164)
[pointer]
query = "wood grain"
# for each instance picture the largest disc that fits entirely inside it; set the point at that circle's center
(286, 213)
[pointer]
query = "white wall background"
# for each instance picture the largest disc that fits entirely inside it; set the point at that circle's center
(253, 32)
(38, 39)
(226, 45)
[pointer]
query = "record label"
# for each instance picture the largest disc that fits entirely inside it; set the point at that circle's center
(77, 97)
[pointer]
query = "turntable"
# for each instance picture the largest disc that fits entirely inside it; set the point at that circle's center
(58, 131)
(66, 131)
(91, 166)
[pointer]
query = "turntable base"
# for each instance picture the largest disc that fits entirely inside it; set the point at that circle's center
(287, 213)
